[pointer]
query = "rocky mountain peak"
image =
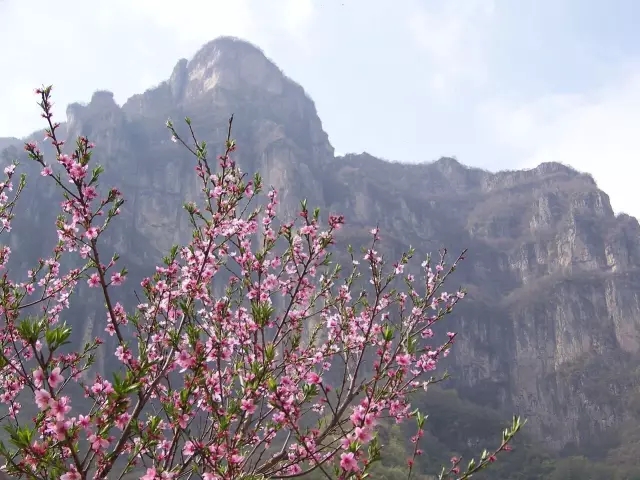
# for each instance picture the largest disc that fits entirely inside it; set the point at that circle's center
(449, 164)
(102, 112)
(227, 63)
(556, 167)
(6, 142)
(553, 274)
(231, 76)
(103, 99)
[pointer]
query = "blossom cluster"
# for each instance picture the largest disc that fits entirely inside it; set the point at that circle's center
(251, 355)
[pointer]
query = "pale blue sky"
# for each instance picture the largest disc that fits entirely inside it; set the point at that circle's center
(499, 84)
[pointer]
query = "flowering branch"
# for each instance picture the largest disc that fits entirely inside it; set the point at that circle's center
(251, 356)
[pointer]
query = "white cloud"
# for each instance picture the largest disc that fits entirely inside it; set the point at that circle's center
(121, 45)
(195, 20)
(297, 16)
(597, 132)
(453, 34)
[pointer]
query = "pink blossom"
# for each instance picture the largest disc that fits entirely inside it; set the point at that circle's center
(348, 462)
(55, 378)
(150, 475)
(117, 278)
(189, 449)
(92, 233)
(313, 378)
(72, 474)
(404, 359)
(42, 399)
(94, 280)
(248, 405)
(362, 435)
(230, 333)
(59, 407)
(38, 377)
(97, 442)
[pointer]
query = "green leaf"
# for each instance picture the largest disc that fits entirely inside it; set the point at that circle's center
(261, 312)
(387, 333)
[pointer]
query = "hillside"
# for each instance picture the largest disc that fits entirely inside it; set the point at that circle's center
(551, 327)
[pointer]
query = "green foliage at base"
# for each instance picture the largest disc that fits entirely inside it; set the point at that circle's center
(456, 427)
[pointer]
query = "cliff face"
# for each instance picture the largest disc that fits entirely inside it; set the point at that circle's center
(6, 142)
(551, 327)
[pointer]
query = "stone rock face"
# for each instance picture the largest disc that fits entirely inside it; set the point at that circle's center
(553, 277)
(6, 142)
(275, 122)
(551, 327)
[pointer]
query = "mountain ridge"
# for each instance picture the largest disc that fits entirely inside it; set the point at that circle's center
(553, 273)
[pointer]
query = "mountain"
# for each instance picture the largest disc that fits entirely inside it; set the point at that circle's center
(553, 276)
(551, 326)
(6, 142)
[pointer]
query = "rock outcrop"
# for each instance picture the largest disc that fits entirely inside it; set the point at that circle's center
(6, 142)
(551, 328)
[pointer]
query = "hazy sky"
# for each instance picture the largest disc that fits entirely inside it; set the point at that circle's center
(501, 84)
